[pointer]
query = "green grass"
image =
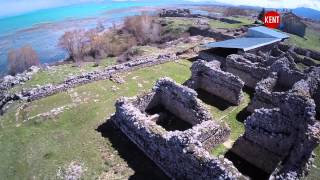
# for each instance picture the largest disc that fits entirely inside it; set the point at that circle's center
(219, 24)
(310, 41)
(229, 116)
(181, 25)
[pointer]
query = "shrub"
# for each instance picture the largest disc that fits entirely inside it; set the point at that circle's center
(144, 28)
(21, 59)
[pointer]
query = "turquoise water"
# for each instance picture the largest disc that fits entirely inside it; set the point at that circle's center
(43, 28)
(10, 24)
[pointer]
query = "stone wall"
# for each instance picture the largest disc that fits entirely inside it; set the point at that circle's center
(209, 77)
(181, 101)
(180, 154)
(73, 81)
(315, 55)
(10, 81)
(248, 69)
(207, 56)
(290, 131)
(281, 80)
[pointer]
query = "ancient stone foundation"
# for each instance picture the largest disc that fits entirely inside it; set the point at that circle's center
(180, 154)
(282, 138)
(248, 67)
(209, 77)
(279, 83)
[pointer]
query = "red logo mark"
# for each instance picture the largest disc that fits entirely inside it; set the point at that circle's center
(271, 19)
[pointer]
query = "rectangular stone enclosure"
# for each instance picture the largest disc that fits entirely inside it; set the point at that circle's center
(209, 77)
(180, 154)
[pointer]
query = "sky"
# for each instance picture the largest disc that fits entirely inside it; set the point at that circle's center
(14, 7)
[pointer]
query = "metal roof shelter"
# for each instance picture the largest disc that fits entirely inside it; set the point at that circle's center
(255, 38)
(264, 32)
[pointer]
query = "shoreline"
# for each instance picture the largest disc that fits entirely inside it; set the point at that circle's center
(48, 50)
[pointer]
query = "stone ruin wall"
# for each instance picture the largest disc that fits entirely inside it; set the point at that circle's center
(180, 154)
(279, 82)
(181, 101)
(249, 72)
(85, 78)
(285, 128)
(209, 77)
(290, 132)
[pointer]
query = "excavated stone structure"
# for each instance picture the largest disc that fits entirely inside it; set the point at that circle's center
(279, 83)
(180, 154)
(250, 68)
(209, 77)
(301, 55)
(281, 140)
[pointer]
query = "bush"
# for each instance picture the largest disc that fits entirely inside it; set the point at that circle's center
(21, 59)
(144, 28)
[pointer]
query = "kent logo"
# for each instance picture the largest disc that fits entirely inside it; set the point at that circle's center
(271, 19)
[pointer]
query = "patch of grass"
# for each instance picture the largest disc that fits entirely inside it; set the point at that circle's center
(219, 150)
(219, 24)
(178, 26)
(310, 41)
(181, 25)
(231, 117)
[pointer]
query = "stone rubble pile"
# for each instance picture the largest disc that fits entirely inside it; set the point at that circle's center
(10, 81)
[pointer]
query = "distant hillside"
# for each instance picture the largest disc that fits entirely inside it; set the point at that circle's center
(307, 12)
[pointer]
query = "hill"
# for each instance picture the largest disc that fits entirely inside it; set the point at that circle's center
(307, 13)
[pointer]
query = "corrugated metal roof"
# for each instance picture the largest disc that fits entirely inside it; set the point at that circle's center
(256, 37)
(243, 43)
(264, 32)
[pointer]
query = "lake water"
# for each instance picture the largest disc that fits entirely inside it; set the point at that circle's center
(42, 29)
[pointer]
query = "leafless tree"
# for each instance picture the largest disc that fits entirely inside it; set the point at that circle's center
(21, 59)
(144, 28)
(75, 43)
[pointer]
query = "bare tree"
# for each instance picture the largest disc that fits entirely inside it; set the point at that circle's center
(21, 59)
(75, 43)
(144, 28)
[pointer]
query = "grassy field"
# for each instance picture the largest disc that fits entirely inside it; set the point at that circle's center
(40, 138)
(180, 25)
(310, 41)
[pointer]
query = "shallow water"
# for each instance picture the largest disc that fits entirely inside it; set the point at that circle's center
(43, 28)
